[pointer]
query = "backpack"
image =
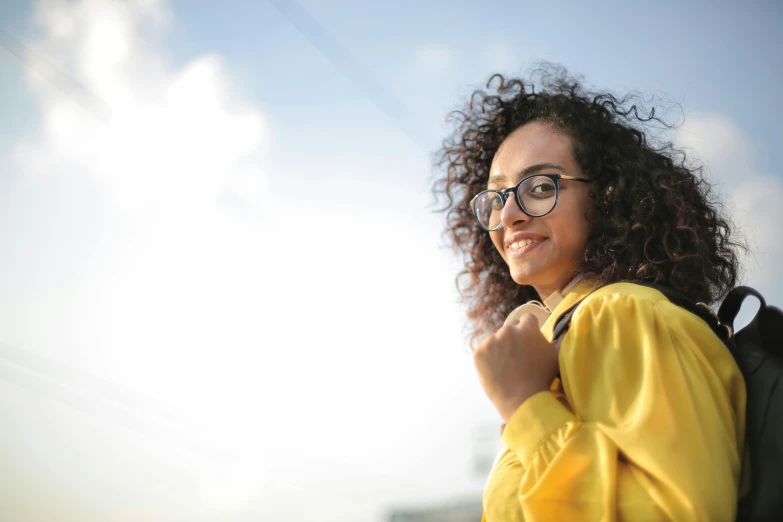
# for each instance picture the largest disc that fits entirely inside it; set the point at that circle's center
(758, 351)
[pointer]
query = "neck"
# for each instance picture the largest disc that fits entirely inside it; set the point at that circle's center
(551, 298)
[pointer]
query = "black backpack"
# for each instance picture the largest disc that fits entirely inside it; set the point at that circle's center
(758, 351)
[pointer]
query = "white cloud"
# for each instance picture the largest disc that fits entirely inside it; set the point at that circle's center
(435, 58)
(168, 135)
(174, 275)
(316, 315)
(716, 140)
(752, 197)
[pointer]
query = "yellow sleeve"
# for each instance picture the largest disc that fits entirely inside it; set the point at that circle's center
(655, 426)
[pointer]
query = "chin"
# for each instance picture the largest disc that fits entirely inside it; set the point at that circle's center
(523, 277)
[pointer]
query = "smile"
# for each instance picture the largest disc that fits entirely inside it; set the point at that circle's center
(520, 248)
(520, 244)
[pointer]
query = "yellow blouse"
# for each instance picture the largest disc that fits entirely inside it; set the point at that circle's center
(647, 423)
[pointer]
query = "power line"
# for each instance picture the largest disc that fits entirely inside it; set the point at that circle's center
(102, 398)
(342, 60)
(66, 84)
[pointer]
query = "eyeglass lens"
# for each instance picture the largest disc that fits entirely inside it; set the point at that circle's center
(537, 195)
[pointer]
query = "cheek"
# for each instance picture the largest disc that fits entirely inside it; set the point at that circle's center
(570, 230)
(497, 240)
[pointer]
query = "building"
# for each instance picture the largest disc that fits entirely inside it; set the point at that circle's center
(463, 511)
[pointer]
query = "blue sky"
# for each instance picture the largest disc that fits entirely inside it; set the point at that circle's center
(706, 57)
(243, 246)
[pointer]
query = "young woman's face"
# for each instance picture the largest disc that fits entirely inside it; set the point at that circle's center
(559, 238)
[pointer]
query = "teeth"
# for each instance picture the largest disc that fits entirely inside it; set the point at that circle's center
(524, 242)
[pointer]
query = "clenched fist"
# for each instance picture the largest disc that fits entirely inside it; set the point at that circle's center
(515, 363)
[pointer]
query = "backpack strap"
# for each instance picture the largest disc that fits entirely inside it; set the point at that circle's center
(564, 321)
(701, 310)
(724, 331)
(733, 302)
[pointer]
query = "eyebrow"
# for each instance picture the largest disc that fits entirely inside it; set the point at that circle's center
(499, 178)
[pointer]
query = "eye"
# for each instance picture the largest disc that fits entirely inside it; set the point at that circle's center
(541, 187)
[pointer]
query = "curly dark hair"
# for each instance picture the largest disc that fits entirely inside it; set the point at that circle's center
(653, 215)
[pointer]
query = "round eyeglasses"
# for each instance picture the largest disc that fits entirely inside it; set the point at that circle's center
(536, 196)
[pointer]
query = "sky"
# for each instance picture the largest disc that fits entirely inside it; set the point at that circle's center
(224, 294)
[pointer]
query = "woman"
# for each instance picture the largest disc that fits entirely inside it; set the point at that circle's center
(638, 412)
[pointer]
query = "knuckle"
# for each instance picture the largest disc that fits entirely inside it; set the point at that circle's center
(528, 321)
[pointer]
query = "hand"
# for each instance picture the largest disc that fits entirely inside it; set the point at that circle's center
(516, 363)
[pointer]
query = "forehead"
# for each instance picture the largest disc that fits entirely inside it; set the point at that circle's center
(532, 144)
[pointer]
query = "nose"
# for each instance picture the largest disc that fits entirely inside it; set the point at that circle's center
(511, 213)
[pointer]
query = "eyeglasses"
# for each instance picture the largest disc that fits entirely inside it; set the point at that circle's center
(536, 196)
